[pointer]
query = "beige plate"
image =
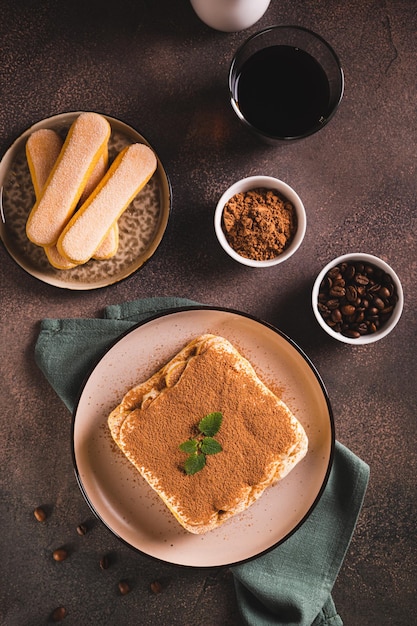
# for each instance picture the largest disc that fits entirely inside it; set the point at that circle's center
(124, 501)
(141, 227)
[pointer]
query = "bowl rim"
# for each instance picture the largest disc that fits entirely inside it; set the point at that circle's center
(268, 182)
(390, 324)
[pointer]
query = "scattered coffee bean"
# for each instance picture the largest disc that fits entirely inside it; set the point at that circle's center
(59, 614)
(123, 587)
(104, 562)
(156, 587)
(39, 514)
(82, 529)
(356, 299)
(60, 554)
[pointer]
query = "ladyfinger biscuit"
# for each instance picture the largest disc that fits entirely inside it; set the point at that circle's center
(109, 246)
(96, 176)
(110, 243)
(128, 174)
(42, 150)
(57, 260)
(85, 142)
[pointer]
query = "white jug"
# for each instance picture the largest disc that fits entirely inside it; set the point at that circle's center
(230, 15)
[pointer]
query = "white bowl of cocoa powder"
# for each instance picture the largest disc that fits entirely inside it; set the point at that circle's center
(260, 221)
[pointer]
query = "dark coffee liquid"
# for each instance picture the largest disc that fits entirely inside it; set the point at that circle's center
(283, 91)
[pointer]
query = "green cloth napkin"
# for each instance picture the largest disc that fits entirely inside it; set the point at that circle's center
(289, 586)
(67, 349)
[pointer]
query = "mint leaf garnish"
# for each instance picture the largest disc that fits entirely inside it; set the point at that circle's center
(210, 424)
(190, 446)
(210, 446)
(197, 449)
(194, 463)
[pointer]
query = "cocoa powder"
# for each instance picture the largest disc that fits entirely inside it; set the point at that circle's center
(254, 431)
(259, 224)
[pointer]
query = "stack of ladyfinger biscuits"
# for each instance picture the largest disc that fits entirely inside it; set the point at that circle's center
(79, 199)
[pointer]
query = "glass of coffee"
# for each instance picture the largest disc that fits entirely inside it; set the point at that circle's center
(285, 83)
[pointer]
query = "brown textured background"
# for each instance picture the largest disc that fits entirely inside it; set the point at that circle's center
(154, 65)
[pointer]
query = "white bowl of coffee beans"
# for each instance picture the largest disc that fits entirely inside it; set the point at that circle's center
(260, 221)
(357, 298)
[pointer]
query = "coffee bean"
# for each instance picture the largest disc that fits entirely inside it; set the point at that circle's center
(82, 529)
(384, 292)
(379, 303)
(387, 310)
(332, 304)
(347, 309)
(334, 273)
(359, 317)
(336, 315)
(324, 310)
(59, 614)
(349, 272)
(156, 587)
(356, 299)
(39, 514)
(349, 332)
(123, 587)
(337, 291)
(60, 554)
(360, 279)
(104, 562)
(351, 293)
(327, 282)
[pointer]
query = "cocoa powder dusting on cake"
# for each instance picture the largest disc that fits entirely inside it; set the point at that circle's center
(253, 432)
(259, 223)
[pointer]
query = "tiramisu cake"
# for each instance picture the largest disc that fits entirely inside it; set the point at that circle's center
(258, 442)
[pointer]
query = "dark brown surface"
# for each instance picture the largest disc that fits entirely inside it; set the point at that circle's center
(154, 65)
